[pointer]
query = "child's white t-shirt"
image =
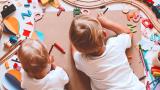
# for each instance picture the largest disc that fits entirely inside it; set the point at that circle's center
(111, 70)
(54, 80)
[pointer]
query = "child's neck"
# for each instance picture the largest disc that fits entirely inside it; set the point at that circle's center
(44, 72)
(99, 53)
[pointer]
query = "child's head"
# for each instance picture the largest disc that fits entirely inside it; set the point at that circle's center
(86, 34)
(34, 58)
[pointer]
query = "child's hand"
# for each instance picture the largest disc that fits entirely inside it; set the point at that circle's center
(100, 17)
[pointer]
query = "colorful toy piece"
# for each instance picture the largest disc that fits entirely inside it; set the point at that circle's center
(130, 15)
(28, 14)
(13, 39)
(43, 2)
(76, 11)
(137, 17)
(132, 28)
(14, 77)
(87, 12)
(155, 71)
(26, 5)
(26, 33)
(29, 23)
(147, 23)
(12, 25)
(6, 65)
(29, 1)
(156, 10)
(56, 4)
(15, 65)
(149, 2)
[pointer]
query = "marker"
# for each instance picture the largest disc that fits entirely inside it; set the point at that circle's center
(51, 49)
(15, 60)
(59, 48)
(105, 11)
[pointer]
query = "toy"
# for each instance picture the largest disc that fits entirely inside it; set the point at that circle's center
(38, 17)
(29, 1)
(26, 33)
(59, 48)
(14, 77)
(10, 52)
(147, 23)
(125, 11)
(130, 15)
(61, 9)
(7, 10)
(28, 14)
(131, 27)
(76, 11)
(13, 39)
(156, 10)
(137, 17)
(89, 4)
(85, 11)
(11, 25)
(6, 65)
(149, 2)
(43, 2)
(29, 23)
(56, 4)
(155, 71)
(15, 65)
(26, 5)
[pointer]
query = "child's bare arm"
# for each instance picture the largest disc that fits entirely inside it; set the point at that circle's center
(117, 28)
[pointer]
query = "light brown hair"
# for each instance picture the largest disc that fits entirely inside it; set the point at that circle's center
(86, 34)
(33, 56)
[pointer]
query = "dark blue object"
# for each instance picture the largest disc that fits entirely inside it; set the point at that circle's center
(13, 81)
(13, 39)
(156, 10)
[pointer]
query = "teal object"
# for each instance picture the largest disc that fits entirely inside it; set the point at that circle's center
(155, 37)
(13, 39)
(40, 35)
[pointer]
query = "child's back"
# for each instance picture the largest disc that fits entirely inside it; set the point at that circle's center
(108, 70)
(39, 72)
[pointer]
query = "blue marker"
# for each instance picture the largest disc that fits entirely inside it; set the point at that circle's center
(26, 14)
(26, 5)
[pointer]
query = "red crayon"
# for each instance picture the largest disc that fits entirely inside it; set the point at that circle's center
(59, 48)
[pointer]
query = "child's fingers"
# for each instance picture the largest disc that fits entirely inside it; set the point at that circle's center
(100, 14)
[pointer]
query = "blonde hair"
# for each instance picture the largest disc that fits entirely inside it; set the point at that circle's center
(33, 56)
(86, 34)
